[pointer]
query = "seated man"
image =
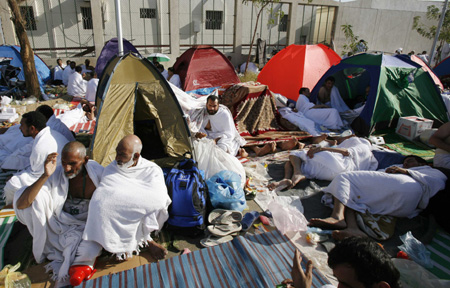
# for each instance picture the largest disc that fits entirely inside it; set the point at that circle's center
(46, 141)
(173, 78)
(55, 207)
(324, 163)
(218, 125)
(441, 139)
(91, 88)
(321, 114)
(130, 203)
(356, 262)
(77, 85)
(69, 70)
(55, 123)
(398, 192)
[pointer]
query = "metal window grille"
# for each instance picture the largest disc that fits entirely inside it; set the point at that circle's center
(213, 20)
(28, 14)
(86, 15)
(282, 27)
(147, 13)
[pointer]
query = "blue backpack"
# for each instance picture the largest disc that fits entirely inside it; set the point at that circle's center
(189, 193)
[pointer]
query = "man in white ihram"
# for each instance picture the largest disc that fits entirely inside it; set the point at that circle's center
(130, 203)
(218, 125)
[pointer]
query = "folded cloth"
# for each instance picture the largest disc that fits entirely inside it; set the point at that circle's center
(121, 219)
(379, 227)
(248, 220)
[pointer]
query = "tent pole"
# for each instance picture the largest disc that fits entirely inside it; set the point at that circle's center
(444, 9)
(119, 28)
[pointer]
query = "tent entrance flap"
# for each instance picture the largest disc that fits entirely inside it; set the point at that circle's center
(152, 146)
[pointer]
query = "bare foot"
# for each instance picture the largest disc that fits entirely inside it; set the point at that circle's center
(280, 184)
(301, 145)
(289, 145)
(331, 142)
(342, 139)
(342, 234)
(242, 153)
(318, 139)
(157, 251)
(328, 223)
(266, 149)
(296, 178)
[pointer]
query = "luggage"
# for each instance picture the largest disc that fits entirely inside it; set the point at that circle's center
(190, 198)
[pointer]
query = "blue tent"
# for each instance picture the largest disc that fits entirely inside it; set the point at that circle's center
(443, 68)
(398, 87)
(43, 72)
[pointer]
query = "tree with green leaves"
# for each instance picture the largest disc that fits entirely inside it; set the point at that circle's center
(429, 32)
(351, 40)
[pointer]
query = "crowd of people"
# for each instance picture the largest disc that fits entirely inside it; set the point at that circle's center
(74, 207)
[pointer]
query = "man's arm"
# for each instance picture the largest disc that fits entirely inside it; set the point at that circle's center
(322, 95)
(315, 150)
(396, 170)
(30, 193)
(439, 137)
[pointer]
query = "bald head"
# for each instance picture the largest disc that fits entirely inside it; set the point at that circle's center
(74, 147)
(128, 150)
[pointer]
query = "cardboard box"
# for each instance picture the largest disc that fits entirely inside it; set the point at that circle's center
(412, 126)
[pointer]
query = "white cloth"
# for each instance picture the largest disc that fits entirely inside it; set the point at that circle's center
(58, 72)
(126, 207)
(222, 126)
(446, 99)
(381, 193)
(91, 89)
(66, 74)
(328, 117)
(175, 80)
(73, 117)
(327, 165)
(299, 120)
(56, 233)
(336, 100)
(165, 73)
(46, 141)
(84, 69)
(56, 124)
(251, 67)
(441, 158)
(77, 85)
(10, 142)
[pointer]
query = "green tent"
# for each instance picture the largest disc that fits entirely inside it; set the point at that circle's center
(134, 98)
(398, 87)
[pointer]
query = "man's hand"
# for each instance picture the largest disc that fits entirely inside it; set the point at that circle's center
(50, 164)
(200, 135)
(396, 170)
(91, 114)
(313, 151)
(301, 279)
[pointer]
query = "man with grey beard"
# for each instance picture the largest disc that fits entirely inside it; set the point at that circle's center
(55, 208)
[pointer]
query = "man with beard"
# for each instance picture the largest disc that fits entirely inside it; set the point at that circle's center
(218, 125)
(130, 203)
(55, 208)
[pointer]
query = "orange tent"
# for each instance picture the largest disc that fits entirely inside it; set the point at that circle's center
(297, 66)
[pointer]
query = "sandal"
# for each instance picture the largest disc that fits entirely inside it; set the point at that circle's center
(212, 240)
(223, 230)
(222, 216)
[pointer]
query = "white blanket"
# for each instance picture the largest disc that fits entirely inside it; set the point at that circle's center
(222, 126)
(127, 207)
(73, 117)
(299, 120)
(327, 165)
(47, 141)
(336, 100)
(56, 233)
(11, 141)
(328, 117)
(381, 193)
(441, 158)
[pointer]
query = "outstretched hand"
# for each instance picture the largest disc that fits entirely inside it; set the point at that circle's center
(50, 164)
(301, 279)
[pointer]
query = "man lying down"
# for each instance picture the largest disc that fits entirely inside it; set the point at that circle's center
(396, 191)
(325, 163)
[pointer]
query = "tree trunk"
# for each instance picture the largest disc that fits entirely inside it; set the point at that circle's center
(253, 37)
(29, 69)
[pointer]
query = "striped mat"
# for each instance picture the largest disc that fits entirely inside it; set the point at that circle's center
(262, 260)
(440, 255)
(6, 225)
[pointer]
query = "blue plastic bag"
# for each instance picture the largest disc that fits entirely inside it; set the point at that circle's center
(225, 191)
(415, 250)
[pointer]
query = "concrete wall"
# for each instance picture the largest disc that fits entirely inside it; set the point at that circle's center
(385, 24)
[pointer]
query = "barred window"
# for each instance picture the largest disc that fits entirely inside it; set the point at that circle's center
(282, 27)
(147, 12)
(86, 15)
(213, 20)
(28, 15)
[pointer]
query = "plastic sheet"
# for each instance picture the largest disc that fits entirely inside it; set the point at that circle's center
(287, 218)
(226, 192)
(415, 250)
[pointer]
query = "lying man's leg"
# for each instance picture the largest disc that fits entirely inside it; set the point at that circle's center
(297, 176)
(352, 227)
(335, 221)
(266, 149)
(286, 181)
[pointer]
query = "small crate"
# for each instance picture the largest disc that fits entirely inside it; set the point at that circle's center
(412, 126)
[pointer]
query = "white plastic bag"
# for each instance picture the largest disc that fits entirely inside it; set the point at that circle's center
(212, 159)
(415, 276)
(415, 250)
(287, 218)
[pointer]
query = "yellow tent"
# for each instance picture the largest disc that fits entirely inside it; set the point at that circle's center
(134, 98)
